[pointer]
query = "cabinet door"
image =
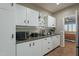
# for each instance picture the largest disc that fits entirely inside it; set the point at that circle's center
(20, 15)
(58, 40)
(25, 49)
(46, 21)
(53, 41)
(37, 45)
(7, 29)
(32, 17)
(41, 22)
(45, 46)
(42, 19)
(50, 43)
(51, 21)
(32, 48)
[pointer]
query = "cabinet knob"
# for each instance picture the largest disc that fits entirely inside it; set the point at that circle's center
(45, 39)
(30, 44)
(12, 4)
(52, 24)
(24, 21)
(39, 17)
(48, 42)
(12, 36)
(48, 48)
(33, 44)
(28, 21)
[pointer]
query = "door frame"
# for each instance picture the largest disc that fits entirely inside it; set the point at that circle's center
(63, 43)
(76, 13)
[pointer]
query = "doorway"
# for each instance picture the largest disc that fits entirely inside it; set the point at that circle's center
(70, 34)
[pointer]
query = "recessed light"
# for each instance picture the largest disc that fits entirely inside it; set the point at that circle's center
(57, 3)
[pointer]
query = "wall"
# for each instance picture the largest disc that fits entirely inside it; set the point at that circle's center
(60, 16)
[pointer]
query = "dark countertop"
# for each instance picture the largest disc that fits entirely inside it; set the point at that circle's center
(34, 38)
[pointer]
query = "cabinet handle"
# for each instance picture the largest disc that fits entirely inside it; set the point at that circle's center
(48, 42)
(48, 48)
(24, 21)
(39, 17)
(12, 36)
(30, 44)
(52, 24)
(11, 4)
(33, 44)
(45, 39)
(28, 21)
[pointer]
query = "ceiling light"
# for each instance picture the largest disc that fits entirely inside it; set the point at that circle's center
(57, 3)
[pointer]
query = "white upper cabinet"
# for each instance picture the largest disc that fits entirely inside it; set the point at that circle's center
(29, 17)
(51, 21)
(20, 15)
(42, 19)
(26, 16)
(46, 20)
(32, 17)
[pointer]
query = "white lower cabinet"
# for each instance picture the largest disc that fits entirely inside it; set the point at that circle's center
(32, 48)
(56, 41)
(38, 47)
(44, 46)
(24, 49)
(47, 45)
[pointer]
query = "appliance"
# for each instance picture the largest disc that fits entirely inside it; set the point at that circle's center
(22, 36)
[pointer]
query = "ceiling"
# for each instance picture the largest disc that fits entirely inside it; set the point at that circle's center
(53, 7)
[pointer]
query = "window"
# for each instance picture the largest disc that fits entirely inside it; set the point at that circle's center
(70, 27)
(74, 27)
(65, 27)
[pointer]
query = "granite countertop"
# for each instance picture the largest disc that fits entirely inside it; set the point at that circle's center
(34, 38)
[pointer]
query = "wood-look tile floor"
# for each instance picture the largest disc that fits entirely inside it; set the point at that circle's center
(68, 50)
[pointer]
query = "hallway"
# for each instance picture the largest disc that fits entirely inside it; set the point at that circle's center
(68, 50)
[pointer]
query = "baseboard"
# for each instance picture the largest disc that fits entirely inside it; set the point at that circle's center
(51, 51)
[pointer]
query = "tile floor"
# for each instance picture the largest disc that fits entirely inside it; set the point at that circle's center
(68, 50)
